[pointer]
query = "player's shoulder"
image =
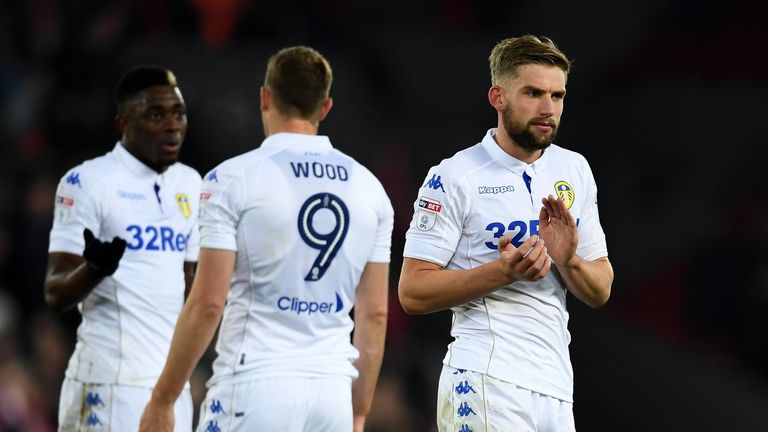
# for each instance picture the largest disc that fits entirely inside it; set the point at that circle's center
(240, 163)
(462, 164)
(185, 170)
(91, 173)
(235, 167)
(566, 156)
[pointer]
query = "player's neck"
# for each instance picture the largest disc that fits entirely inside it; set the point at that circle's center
(511, 148)
(291, 125)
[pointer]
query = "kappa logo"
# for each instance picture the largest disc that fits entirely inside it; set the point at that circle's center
(74, 179)
(495, 189)
(131, 195)
(93, 420)
(465, 388)
(465, 428)
(212, 177)
(216, 407)
(213, 426)
(465, 410)
(435, 183)
(565, 192)
(93, 399)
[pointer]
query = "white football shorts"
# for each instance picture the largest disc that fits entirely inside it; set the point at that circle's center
(285, 404)
(473, 402)
(103, 407)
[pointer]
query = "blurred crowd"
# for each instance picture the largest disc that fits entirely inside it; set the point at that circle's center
(668, 118)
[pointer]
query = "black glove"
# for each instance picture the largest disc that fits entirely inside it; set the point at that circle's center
(102, 257)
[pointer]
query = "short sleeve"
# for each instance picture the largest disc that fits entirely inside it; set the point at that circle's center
(75, 208)
(193, 244)
(438, 215)
(383, 243)
(220, 210)
(592, 244)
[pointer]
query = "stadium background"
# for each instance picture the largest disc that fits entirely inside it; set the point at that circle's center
(666, 101)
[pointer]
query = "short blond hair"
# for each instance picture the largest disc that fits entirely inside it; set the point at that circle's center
(509, 54)
(300, 80)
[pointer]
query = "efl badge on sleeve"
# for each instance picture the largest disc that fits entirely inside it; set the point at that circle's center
(426, 216)
(565, 192)
(183, 202)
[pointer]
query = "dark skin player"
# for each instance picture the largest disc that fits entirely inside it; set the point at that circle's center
(153, 124)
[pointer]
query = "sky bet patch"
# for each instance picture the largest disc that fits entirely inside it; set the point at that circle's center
(426, 216)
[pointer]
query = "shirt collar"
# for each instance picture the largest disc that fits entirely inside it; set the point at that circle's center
(510, 162)
(133, 165)
(320, 142)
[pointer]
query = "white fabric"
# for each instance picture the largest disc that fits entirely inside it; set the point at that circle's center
(518, 333)
(285, 404)
(129, 318)
(470, 401)
(110, 407)
(284, 208)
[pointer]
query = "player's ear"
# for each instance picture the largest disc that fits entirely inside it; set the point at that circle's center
(121, 122)
(327, 105)
(264, 98)
(496, 97)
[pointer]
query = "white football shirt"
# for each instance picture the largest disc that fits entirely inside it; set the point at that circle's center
(129, 318)
(518, 333)
(304, 219)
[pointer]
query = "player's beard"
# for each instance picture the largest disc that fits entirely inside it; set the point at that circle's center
(523, 135)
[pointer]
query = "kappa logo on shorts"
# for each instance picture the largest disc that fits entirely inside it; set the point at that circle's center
(465, 410)
(426, 216)
(213, 426)
(464, 388)
(565, 192)
(216, 407)
(93, 399)
(93, 420)
(465, 428)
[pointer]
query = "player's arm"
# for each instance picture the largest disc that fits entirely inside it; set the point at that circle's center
(194, 330)
(70, 278)
(427, 287)
(589, 281)
(67, 281)
(370, 329)
(189, 276)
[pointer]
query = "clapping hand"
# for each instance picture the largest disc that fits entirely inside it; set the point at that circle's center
(558, 228)
(102, 257)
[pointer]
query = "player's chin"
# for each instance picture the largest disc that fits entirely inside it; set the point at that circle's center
(167, 159)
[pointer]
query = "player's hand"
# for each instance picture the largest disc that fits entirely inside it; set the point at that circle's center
(102, 257)
(558, 228)
(157, 418)
(528, 262)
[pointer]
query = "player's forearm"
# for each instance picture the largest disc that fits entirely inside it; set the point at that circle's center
(194, 331)
(589, 281)
(65, 289)
(370, 332)
(423, 291)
